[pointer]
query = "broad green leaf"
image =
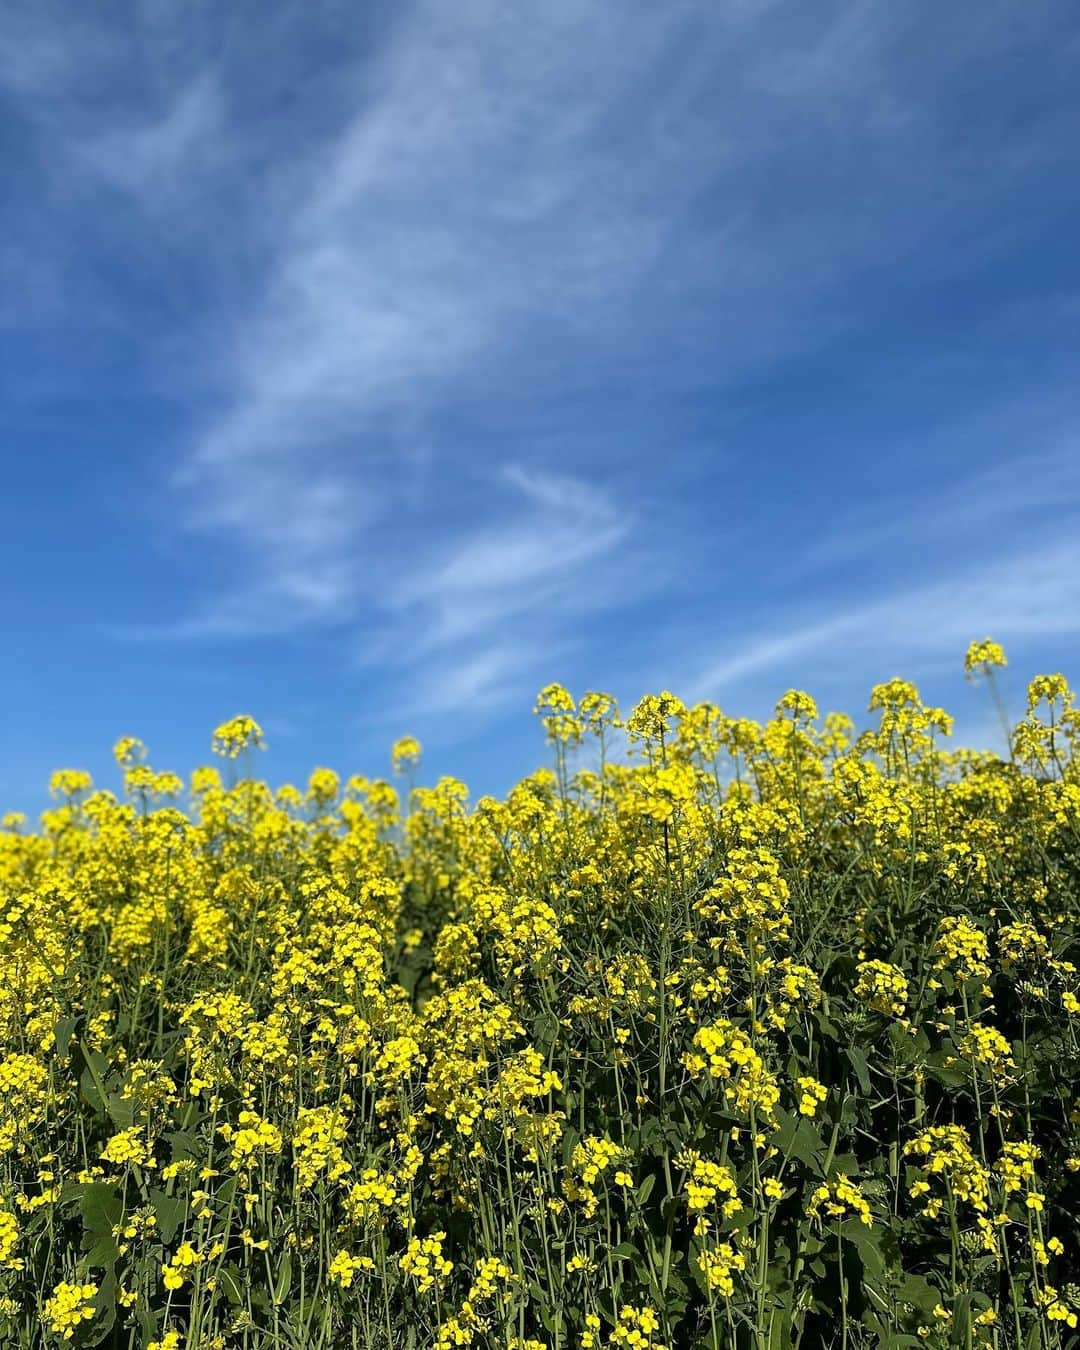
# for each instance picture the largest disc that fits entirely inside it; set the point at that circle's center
(283, 1281)
(170, 1211)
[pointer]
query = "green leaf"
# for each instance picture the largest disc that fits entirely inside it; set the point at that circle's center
(545, 1029)
(920, 1293)
(106, 1305)
(121, 1112)
(92, 1080)
(283, 1283)
(98, 1204)
(184, 1145)
(259, 1298)
(649, 1135)
(961, 1323)
(548, 1319)
(862, 1068)
(101, 1251)
(192, 1113)
(797, 1138)
(232, 1282)
(780, 1332)
(64, 1030)
(867, 1242)
(149, 1323)
(170, 1211)
(99, 1207)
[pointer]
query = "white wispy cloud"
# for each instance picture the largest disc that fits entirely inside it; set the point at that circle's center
(975, 496)
(481, 683)
(500, 194)
(1030, 594)
(993, 548)
(556, 526)
(476, 191)
(169, 157)
(500, 605)
(40, 53)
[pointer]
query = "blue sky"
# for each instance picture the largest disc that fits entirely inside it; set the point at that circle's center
(367, 366)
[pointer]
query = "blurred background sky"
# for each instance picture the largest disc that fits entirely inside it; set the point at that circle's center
(366, 366)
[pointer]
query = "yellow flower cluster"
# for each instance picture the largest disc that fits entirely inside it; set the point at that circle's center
(883, 987)
(840, 1198)
(344, 1268)
(636, 1328)
(69, 1305)
(713, 1032)
(719, 1266)
(254, 1136)
(988, 1049)
(984, 656)
(590, 1160)
(9, 1241)
(811, 1095)
(316, 1145)
(423, 1259)
(237, 735)
(962, 947)
(129, 1148)
(943, 1154)
(707, 1182)
(1055, 1308)
(180, 1265)
(726, 1053)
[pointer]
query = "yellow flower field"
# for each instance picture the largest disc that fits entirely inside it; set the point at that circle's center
(714, 1034)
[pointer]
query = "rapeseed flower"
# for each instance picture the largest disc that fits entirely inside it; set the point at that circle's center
(655, 1048)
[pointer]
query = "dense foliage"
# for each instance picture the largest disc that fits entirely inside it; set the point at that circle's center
(719, 1034)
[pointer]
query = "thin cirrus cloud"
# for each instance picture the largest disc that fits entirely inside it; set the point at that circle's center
(996, 550)
(410, 248)
(419, 248)
(168, 157)
(512, 576)
(1032, 594)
